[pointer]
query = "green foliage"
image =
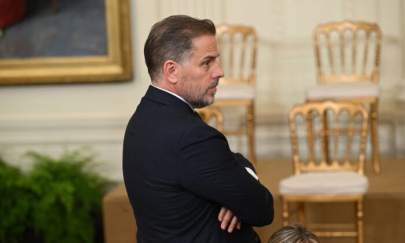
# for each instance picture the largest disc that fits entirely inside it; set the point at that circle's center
(14, 203)
(59, 201)
(68, 197)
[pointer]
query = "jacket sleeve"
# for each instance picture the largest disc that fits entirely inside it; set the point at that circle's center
(210, 170)
(244, 162)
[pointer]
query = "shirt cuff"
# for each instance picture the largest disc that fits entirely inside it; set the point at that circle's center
(252, 173)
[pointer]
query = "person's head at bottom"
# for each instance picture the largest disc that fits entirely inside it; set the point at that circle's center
(294, 233)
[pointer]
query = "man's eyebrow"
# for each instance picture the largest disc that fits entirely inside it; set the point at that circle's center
(210, 57)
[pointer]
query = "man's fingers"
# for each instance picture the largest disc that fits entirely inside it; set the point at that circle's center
(221, 214)
(226, 219)
(233, 223)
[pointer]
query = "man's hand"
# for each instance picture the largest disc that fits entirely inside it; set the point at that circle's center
(228, 220)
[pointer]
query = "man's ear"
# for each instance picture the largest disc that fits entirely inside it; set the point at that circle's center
(171, 71)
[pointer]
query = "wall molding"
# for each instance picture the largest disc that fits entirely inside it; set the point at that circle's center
(103, 133)
(62, 129)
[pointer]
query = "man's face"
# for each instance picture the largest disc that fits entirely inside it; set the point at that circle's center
(200, 72)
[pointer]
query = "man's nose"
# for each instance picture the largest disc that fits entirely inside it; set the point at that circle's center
(219, 71)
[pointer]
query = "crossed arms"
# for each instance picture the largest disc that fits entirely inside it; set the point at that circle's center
(213, 172)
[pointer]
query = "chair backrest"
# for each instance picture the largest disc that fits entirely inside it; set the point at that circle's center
(328, 136)
(212, 115)
(347, 51)
(238, 48)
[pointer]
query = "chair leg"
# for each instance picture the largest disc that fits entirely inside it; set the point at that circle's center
(250, 121)
(301, 213)
(359, 216)
(375, 148)
(285, 211)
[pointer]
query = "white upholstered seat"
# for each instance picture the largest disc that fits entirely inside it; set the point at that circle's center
(342, 90)
(324, 183)
(236, 91)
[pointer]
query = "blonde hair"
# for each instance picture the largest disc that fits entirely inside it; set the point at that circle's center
(293, 234)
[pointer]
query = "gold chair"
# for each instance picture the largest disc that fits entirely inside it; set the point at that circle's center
(211, 114)
(316, 180)
(347, 58)
(238, 47)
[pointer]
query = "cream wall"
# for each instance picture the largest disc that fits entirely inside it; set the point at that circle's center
(51, 118)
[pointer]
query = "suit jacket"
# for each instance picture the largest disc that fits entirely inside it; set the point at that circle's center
(179, 171)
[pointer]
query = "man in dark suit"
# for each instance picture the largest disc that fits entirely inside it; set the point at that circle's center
(183, 181)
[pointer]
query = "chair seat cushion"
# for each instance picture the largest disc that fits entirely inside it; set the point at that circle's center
(347, 90)
(239, 91)
(324, 183)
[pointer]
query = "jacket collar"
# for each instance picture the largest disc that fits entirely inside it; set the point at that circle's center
(163, 97)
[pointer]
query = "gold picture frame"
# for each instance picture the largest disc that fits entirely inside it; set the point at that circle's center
(116, 65)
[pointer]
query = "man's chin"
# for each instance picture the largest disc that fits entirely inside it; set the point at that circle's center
(210, 101)
(204, 103)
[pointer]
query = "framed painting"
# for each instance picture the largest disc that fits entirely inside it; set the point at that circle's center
(65, 41)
